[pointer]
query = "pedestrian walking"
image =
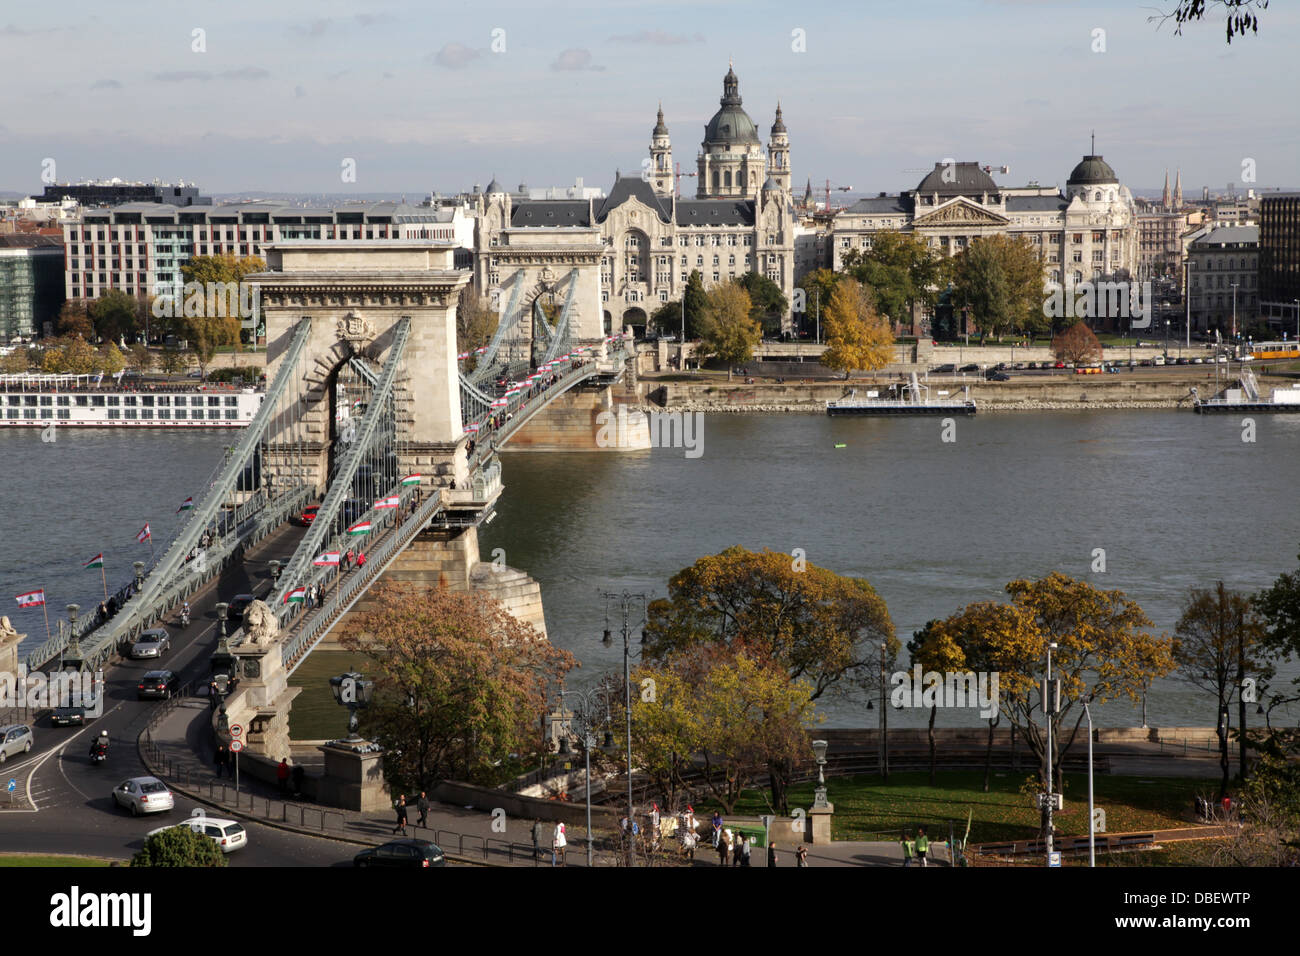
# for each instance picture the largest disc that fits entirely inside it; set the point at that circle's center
(801, 856)
(282, 775)
(558, 845)
(738, 849)
(717, 828)
(423, 807)
(689, 839)
(746, 847)
(213, 694)
(230, 763)
(539, 834)
(922, 845)
(724, 848)
(298, 774)
(771, 854)
(361, 560)
(222, 758)
(909, 847)
(401, 815)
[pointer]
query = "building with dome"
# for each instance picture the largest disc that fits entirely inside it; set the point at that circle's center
(741, 220)
(1088, 232)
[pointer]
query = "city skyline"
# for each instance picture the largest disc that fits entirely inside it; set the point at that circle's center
(572, 90)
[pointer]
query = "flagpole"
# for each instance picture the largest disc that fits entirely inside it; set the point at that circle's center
(46, 611)
(102, 576)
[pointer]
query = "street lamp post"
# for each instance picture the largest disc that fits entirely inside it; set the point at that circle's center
(884, 719)
(1092, 830)
(819, 754)
(626, 599)
(1234, 313)
(1049, 711)
(585, 717)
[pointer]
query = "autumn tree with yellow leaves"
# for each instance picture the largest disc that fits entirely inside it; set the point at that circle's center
(857, 338)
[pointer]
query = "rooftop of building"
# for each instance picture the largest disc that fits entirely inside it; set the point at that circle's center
(30, 240)
(1227, 236)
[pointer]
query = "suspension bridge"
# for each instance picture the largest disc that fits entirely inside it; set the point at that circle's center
(372, 412)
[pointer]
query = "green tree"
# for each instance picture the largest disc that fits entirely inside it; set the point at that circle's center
(817, 287)
(71, 356)
(737, 712)
(111, 359)
(1000, 279)
(696, 304)
(460, 685)
(901, 270)
(818, 626)
(173, 360)
(768, 303)
(179, 846)
(727, 332)
(667, 319)
(142, 359)
(1218, 641)
(856, 337)
(113, 315)
(15, 363)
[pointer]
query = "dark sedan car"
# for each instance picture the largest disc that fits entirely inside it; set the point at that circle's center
(68, 717)
(998, 377)
(972, 367)
(402, 854)
(157, 685)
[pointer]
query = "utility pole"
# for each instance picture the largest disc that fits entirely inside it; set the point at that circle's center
(1050, 703)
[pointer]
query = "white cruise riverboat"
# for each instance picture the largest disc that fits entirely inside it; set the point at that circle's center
(82, 401)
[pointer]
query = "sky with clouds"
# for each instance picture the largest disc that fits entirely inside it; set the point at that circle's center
(434, 95)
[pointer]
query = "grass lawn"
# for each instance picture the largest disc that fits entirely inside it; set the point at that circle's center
(315, 715)
(33, 859)
(866, 809)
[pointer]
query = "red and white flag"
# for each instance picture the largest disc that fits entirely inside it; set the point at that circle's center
(31, 599)
(329, 557)
(144, 535)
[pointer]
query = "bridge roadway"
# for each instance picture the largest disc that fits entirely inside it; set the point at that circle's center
(63, 802)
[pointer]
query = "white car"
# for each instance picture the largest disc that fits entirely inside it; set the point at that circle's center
(14, 739)
(227, 834)
(143, 795)
(151, 643)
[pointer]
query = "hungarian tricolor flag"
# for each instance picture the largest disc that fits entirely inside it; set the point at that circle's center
(361, 527)
(96, 562)
(412, 479)
(329, 557)
(31, 599)
(297, 594)
(186, 505)
(144, 535)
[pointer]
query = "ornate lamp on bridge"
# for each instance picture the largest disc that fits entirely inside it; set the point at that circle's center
(139, 574)
(223, 661)
(352, 691)
(819, 816)
(72, 654)
(276, 569)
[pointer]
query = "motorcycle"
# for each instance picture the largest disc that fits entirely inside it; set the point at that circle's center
(185, 618)
(98, 755)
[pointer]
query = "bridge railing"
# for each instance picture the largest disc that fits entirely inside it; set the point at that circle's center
(311, 627)
(251, 521)
(488, 435)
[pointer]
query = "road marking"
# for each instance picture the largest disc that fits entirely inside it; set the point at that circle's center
(59, 752)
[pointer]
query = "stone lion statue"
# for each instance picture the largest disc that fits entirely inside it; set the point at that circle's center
(260, 626)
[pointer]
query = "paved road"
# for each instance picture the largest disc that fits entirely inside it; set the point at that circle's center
(63, 802)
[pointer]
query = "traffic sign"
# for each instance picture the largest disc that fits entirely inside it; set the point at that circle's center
(236, 746)
(236, 730)
(13, 784)
(1054, 858)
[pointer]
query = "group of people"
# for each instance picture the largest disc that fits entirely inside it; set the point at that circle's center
(916, 849)
(401, 808)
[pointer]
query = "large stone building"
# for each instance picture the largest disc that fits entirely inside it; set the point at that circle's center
(742, 219)
(1222, 275)
(1087, 233)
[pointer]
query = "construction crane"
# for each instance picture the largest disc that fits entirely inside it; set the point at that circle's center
(677, 180)
(829, 187)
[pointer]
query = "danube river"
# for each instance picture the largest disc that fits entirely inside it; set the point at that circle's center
(1173, 499)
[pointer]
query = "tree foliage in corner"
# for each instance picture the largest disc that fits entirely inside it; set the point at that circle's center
(1239, 15)
(179, 846)
(460, 685)
(475, 325)
(857, 338)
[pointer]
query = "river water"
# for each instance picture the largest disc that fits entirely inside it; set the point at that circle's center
(1174, 499)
